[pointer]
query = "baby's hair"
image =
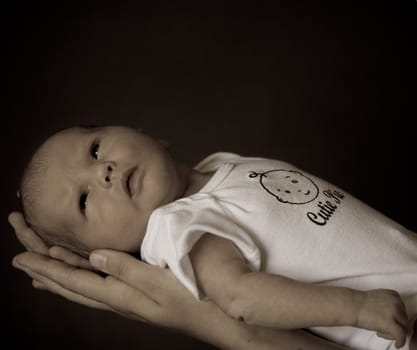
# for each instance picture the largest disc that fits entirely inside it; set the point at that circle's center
(29, 192)
(28, 196)
(32, 173)
(29, 186)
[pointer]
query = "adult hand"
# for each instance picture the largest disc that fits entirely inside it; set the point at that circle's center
(33, 243)
(148, 293)
(59, 276)
(132, 288)
(144, 292)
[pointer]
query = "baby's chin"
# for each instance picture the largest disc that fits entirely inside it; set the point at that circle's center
(131, 250)
(126, 247)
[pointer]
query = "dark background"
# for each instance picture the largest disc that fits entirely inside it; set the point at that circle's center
(329, 86)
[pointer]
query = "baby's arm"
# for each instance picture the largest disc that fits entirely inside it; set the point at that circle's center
(272, 300)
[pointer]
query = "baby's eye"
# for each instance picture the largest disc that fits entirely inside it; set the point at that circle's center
(94, 149)
(83, 202)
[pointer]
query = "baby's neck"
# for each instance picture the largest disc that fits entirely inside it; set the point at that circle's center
(194, 180)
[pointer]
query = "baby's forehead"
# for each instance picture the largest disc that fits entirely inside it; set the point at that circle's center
(51, 159)
(68, 133)
(62, 140)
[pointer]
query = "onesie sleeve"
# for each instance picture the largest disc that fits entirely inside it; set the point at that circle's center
(172, 232)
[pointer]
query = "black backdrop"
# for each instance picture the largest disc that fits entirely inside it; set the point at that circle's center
(330, 88)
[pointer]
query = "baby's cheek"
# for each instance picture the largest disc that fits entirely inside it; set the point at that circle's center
(132, 226)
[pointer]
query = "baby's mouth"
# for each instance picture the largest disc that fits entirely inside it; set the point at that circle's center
(128, 182)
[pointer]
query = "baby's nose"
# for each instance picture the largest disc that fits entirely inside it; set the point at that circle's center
(104, 172)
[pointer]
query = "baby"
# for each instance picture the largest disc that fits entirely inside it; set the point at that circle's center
(270, 244)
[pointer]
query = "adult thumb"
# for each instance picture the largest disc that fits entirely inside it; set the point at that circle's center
(123, 266)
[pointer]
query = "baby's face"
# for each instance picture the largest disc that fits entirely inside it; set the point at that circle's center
(101, 185)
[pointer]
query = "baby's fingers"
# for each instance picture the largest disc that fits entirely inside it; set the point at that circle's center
(401, 322)
(402, 317)
(397, 334)
(399, 343)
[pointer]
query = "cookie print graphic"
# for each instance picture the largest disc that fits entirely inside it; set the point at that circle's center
(288, 186)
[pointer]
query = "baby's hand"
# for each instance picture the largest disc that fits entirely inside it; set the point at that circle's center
(384, 311)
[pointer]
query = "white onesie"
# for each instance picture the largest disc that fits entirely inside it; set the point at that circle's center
(288, 222)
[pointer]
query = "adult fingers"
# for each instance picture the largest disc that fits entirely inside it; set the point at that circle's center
(128, 269)
(166, 296)
(79, 299)
(69, 257)
(30, 240)
(38, 285)
(116, 294)
(53, 269)
(41, 282)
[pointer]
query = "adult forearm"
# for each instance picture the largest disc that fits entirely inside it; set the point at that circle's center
(214, 327)
(268, 339)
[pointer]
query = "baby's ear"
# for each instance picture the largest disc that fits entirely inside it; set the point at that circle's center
(18, 194)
